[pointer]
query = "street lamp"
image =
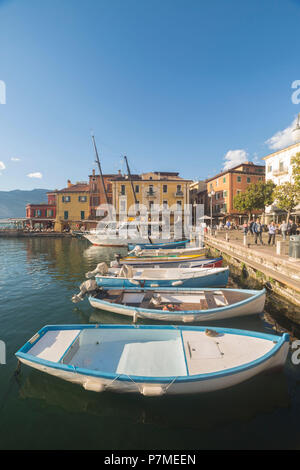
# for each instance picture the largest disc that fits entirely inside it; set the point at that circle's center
(210, 195)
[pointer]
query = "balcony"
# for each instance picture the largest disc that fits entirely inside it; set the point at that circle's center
(151, 193)
(178, 194)
(281, 171)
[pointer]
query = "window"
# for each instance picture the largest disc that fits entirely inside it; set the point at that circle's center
(269, 168)
(260, 170)
(239, 179)
(137, 188)
(150, 205)
(151, 189)
(66, 198)
(122, 206)
(224, 179)
(82, 198)
(66, 215)
(179, 188)
(248, 179)
(123, 189)
(224, 193)
(165, 204)
(165, 188)
(82, 215)
(50, 213)
(280, 166)
(260, 178)
(216, 182)
(238, 191)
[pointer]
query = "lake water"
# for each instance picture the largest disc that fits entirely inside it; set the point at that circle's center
(37, 280)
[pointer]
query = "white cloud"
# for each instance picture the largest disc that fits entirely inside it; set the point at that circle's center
(283, 138)
(234, 158)
(35, 175)
(15, 159)
(2, 166)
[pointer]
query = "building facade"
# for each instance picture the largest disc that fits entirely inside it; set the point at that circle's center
(163, 189)
(222, 188)
(279, 169)
(42, 215)
(72, 207)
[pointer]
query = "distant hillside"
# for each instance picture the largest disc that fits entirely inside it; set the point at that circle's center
(12, 203)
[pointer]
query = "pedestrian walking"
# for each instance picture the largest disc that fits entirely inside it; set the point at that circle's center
(272, 233)
(257, 229)
(283, 228)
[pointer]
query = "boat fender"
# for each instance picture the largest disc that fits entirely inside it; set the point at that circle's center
(154, 285)
(93, 386)
(188, 319)
(152, 391)
(177, 283)
(134, 281)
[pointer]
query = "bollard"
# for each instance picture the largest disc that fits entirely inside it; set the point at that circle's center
(245, 240)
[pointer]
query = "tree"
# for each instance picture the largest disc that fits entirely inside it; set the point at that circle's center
(295, 161)
(256, 197)
(287, 197)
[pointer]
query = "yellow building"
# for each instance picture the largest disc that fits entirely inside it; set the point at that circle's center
(156, 188)
(72, 206)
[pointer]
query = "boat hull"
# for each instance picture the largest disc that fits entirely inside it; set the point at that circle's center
(98, 381)
(253, 306)
(215, 279)
(156, 246)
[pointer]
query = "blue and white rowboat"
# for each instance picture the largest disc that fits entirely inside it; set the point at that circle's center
(120, 278)
(180, 304)
(153, 360)
(156, 246)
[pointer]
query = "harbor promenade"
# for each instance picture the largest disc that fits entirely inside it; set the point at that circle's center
(271, 262)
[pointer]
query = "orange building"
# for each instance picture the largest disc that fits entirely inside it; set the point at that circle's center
(97, 196)
(223, 187)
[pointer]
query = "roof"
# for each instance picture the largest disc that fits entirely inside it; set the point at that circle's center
(282, 150)
(75, 188)
(234, 170)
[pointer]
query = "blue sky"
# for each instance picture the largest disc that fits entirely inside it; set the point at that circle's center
(173, 84)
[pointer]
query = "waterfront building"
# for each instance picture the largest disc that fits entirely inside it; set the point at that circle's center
(163, 189)
(222, 188)
(97, 195)
(72, 207)
(42, 214)
(198, 196)
(279, 169)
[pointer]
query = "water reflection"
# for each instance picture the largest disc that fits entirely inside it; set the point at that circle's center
(201, 412)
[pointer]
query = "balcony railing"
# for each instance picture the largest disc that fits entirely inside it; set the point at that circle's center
(281, 171)
(178, 194)
(151, 193)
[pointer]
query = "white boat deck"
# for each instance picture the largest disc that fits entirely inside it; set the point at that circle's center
(205, 354)
(53, 344)
(150, 353)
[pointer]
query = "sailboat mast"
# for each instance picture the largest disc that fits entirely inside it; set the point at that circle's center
(101, 174)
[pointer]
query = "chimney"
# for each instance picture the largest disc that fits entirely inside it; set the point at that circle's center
(119, 173)
(69, 183)
(93, 172)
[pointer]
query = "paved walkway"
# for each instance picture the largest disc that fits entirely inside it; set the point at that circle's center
(260, 257)
(237, 237)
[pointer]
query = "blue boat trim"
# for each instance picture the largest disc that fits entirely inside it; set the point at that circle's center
(278, 340)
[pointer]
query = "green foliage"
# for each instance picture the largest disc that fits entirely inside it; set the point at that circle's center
(296, 169)
(256, 197)
(287, 197)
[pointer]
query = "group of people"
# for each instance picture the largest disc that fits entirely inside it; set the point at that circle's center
(256, 228)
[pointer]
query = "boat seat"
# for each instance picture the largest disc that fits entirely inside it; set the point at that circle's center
(210, 299)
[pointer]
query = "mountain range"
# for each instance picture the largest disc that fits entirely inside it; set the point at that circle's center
(12, 203)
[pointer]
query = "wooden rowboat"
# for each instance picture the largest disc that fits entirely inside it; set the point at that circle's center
(180, 304)
(153, 360)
